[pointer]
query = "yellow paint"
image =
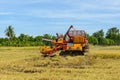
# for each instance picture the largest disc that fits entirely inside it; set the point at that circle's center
(78, 39)
(60, 40)
(75, 47)
(45, 48)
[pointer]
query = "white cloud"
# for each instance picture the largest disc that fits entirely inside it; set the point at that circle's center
(69, 14)
(79, 9)
(24, 1)
(6, 13)
(91, 10)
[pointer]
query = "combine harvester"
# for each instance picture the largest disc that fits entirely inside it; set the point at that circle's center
(74, 42)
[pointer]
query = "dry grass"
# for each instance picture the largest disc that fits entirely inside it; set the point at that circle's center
(112, 52)
(26, 63)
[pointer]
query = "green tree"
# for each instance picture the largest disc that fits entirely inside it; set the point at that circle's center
(113, 34)
(99, 34)
(38, 38)
(23, 37)
(10, 32)
(103, 41)
(47, 36)
(93, 40)
(110, 42)
(112, 30)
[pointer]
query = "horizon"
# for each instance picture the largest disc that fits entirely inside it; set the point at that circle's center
(38, 17)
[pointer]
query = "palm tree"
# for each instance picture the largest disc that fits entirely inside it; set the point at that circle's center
(9, 32)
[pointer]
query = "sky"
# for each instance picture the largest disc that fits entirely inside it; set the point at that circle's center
(38, 17)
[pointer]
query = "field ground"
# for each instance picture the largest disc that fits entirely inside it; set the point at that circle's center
(26, 63)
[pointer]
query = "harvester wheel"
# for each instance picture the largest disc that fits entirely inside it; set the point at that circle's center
(71, 53)
(76, 53)
(62, 53)
(82, 53)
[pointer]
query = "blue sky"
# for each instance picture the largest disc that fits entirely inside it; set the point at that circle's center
(38, 17)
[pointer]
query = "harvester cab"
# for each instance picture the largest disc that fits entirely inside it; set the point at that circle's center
(73, 42)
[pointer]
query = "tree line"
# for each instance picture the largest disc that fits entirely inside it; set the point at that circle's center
(22, 39)
(112, 37)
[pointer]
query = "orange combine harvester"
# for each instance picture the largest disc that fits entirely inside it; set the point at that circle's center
(73, 42)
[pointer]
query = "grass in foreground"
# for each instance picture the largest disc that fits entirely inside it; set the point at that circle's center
(26, 63)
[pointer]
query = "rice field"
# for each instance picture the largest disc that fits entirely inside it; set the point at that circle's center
(26, 63)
